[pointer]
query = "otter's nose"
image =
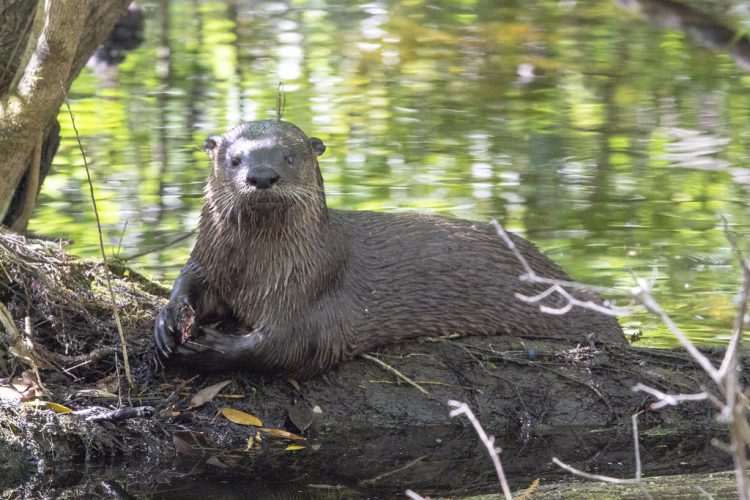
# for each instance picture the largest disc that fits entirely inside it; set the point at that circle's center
(262, 177)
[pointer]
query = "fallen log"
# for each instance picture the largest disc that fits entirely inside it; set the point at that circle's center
(361, 427)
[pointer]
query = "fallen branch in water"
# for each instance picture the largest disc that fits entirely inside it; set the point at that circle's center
(732, 401)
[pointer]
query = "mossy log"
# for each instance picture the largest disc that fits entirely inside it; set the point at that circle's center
(365, 428)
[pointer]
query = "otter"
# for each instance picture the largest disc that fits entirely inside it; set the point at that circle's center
(298, 287)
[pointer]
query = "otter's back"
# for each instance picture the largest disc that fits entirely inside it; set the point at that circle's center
(412, 275)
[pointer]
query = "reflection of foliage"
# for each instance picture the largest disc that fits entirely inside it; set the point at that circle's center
(422, 107)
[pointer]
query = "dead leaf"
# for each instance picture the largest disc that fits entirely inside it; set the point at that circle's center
(294, 447)
(216, 462)
(240, 417)
(19, 390)
(529, 492)
(24, 350)
(282, 434)
(206, 394)
(187, 443)
(27, 376)
(293, 382)
(56, 407)
(32, 394)
(301, 415)
(168, 413)
(96, 393)
(9, 394)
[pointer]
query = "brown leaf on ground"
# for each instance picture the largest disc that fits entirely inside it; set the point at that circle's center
(240, 417)
(188, 443)
(216, 462)
(282, 434)
(206, 394)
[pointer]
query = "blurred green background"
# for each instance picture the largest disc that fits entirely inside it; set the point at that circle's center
(611, 143)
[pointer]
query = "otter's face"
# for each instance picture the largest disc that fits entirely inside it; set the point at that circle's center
(266, 162)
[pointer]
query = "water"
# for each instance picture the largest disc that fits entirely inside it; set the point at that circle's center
(613, 144)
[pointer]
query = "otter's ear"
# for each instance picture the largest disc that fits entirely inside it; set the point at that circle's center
(317, 146)
(212, 144)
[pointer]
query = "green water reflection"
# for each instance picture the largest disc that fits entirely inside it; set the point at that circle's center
(613, 144)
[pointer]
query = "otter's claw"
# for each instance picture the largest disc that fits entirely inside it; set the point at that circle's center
(174, 325)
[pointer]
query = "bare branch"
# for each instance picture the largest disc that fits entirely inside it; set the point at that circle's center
(642, 293)
(556, 286)
(115, 309)
(668, 399)
(730, 358)
(594, 477)
(637, 447)
(570, 303)
(508, 241)
(614, 480)
(733, 409)
(488, 441)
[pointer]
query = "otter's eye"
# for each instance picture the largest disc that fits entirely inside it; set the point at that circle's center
(290, 159)
(235, 161)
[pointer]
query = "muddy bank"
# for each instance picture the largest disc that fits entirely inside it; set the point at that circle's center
(364, 428)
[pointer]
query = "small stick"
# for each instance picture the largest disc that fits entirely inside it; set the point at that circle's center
(26, 345)
(556, 286)
(162, 246)
(642, 293)
(636, 481)
(280, 101)
(593, 477)
(668, 399)
(634, 419)
(27, 331)
(400, 375)
(123, 345)
(489, 442)
(730, 358)
(411, 464)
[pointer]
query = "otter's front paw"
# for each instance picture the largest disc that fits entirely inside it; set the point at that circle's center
(214, 350)
(174, 325)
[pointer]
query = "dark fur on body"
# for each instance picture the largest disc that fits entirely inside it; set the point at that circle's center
(309, 287)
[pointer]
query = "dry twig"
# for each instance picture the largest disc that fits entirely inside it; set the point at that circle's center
(488, 441)
(397, 373)
(734, 403)
(123, 344)
(555, 286)
(636, 481)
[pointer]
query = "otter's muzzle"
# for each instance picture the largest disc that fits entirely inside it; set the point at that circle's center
(262, 177)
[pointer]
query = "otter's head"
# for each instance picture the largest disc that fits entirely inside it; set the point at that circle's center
(265, 165)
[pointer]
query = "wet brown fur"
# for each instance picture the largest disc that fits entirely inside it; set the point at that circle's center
(311, 286)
